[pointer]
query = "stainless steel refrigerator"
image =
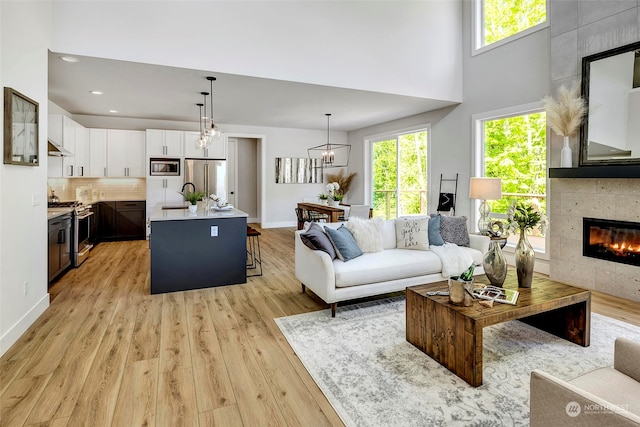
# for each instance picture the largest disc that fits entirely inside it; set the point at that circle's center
(207, 175)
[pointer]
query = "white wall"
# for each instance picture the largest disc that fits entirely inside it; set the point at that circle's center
(23, 227)
(402, 47)
(516, 73)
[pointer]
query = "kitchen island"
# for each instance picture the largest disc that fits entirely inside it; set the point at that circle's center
(197, 250)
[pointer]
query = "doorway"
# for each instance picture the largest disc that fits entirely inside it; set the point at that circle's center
(244, 177)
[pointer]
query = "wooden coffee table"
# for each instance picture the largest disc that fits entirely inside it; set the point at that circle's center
(452, 335)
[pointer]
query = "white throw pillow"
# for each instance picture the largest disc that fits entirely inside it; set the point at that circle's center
(367, 232)
(412, 233)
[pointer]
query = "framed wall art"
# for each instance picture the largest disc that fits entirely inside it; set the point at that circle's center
(20, 129)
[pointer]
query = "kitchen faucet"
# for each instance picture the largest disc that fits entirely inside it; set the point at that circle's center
(188, 183)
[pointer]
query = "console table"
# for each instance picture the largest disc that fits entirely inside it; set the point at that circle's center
(333, 214)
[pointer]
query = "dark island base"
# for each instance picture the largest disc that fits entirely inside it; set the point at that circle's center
(185, 255)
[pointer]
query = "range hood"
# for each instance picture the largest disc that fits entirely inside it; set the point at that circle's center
(58, 150)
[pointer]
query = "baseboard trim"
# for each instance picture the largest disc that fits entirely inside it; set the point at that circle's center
(21, 326)
(281, 224)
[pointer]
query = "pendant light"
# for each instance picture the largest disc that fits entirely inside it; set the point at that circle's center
(332, 155)
(211, 130)
(201, 141)
(203, 131)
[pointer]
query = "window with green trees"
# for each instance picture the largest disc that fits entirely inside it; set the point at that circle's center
(399, 178)
(500, 19)
(515, 150)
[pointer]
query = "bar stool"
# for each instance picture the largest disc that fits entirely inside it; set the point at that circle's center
(254, 259)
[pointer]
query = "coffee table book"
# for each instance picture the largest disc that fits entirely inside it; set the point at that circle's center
(493, 293)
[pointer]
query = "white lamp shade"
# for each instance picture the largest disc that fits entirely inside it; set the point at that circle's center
(485, 188)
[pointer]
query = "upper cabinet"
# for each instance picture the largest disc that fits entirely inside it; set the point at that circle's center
(98, 153)
(217, 150)
(125, 153)
(75, 139)
(164, 143)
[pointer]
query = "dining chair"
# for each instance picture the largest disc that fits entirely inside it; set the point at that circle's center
(360, 211)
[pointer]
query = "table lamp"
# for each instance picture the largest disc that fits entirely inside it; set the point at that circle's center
(485, 189)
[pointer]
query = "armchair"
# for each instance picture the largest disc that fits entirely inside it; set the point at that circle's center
(608, 396)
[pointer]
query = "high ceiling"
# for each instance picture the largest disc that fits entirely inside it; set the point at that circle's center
(144, 91)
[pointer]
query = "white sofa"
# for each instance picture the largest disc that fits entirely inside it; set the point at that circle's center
(373, 273)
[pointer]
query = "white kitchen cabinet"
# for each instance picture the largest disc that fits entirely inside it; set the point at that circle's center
(125, 153)
(75, 138)
(98, 153)
(217, 150)
(164, 143)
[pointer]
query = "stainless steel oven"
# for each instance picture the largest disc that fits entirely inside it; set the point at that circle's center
(83, 219)
(164, 167)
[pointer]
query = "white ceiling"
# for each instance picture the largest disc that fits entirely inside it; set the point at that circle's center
(144, 91)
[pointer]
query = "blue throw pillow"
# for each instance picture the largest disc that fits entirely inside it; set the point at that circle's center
(435, 238)
(316, 239)
(344, 243)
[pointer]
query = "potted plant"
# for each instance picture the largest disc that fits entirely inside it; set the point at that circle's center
(524, 217)
(193, 197)
(333, 189)
(323, 198)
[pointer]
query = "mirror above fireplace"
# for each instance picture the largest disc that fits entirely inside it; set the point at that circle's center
(610, 133)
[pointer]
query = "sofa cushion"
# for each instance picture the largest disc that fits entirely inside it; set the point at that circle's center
(367, 232)
(435, 238)
(344, 243)
(390, 264)
(389, 234)
(453, 229)
(316, 239)
(412, 233)
(612, 386)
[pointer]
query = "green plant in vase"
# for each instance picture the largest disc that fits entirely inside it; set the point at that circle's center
(193, 197)
(523, 218)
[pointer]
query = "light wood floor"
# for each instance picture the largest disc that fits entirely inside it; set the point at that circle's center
(108, 353)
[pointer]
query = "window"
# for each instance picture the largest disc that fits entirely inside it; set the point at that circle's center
(499, 21)
(399, 175)
(512, 146)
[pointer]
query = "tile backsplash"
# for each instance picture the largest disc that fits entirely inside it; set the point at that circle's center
(96, 189)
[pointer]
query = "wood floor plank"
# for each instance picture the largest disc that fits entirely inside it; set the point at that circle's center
(227, 416)
(256, 402)
(145, 343)
(175, 352)
(209, 369)
(136, 405)
(176, 404)
(19, 398)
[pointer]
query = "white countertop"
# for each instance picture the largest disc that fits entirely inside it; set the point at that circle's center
(160, 214)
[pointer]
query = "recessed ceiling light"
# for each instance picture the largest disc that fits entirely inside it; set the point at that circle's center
(69, 59)
(113, 111)
(96, 92)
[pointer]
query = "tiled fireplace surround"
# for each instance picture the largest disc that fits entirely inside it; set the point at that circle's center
(572, 199)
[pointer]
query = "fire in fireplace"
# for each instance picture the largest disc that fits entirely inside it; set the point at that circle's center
(617, 241)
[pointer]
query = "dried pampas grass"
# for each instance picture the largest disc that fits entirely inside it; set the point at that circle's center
(565, 113)
(343, 181)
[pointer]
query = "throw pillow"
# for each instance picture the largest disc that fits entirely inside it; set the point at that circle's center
(344, 243)
(435, 238)
(412, 233)
(316, 239)
(367, 232)
(453, 229)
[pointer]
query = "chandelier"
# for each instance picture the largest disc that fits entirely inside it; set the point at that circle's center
(332, 155)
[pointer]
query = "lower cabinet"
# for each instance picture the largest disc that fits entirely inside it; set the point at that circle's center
(122, 220)
(59, 245)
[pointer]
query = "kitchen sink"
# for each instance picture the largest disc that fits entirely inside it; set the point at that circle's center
(175, 207)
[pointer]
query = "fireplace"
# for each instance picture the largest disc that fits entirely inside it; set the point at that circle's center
(617, 241)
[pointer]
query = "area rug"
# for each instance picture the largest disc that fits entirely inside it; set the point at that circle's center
(373, 377)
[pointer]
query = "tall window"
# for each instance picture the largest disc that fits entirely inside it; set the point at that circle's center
(514, 149)
(498, 20)
(399, 175)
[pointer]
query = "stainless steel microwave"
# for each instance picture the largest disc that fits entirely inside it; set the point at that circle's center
(164, 167)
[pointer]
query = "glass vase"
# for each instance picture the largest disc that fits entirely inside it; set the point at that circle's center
(525, 258)
(494, 264)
